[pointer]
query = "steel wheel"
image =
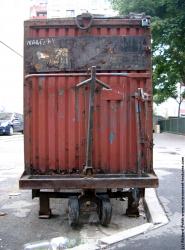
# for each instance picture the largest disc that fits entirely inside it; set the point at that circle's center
(105, 212)
(74, 210)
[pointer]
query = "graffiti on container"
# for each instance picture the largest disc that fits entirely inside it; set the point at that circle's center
(41, 42)
(42, 55)
(80, 53)
(59, 59)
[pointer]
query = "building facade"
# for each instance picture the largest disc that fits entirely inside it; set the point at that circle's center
(40, 9)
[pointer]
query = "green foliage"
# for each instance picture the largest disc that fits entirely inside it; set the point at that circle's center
(168, 44)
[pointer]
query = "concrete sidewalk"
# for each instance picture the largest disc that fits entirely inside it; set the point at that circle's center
(168, 152)
(21, 212)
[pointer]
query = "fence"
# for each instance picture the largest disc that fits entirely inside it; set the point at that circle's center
(173, 125)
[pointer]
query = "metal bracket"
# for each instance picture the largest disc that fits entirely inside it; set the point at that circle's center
(145, 22)
(88, 169)
(140, 96)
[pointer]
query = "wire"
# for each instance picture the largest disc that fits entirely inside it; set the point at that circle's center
(11, 49)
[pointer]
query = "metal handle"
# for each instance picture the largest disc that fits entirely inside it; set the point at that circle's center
(88, 169)
(84, 16)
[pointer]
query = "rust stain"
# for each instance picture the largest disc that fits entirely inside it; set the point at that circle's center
(38, 66)
(40, 85)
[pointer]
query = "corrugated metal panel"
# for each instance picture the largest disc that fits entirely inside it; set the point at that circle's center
(56, 113)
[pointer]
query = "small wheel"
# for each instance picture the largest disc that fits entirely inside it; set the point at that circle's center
(74, 211)
(10, 131)
(105, 212)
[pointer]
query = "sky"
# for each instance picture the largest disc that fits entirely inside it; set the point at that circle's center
(12, 15)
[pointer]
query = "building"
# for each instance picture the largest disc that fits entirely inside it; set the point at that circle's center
(182, 109)
(69, 8)
(38, 9)
(66, 8)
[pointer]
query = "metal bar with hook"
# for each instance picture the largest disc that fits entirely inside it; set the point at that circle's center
(140, 97)
(88, 169)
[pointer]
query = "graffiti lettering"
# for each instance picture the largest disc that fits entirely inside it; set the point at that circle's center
(41, 42)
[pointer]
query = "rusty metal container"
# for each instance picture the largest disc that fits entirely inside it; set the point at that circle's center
(80, 133)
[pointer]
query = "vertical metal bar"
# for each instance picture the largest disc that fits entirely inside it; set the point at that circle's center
(44, 212)
(146, 145)
(138, 128)
(90, 120)
(88, 169)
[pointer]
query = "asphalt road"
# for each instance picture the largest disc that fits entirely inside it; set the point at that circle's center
(20, 224)
(168, 151)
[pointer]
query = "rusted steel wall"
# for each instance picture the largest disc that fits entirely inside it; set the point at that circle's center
(56, 112)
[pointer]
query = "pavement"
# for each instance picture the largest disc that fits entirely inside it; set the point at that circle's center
(168, 152)
(19, 214)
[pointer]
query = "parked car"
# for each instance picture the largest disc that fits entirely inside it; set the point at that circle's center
(10, 123)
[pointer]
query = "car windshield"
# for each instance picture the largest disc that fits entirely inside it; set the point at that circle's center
(5, 116)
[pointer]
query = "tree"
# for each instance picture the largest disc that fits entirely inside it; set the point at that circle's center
(179, 96)
(168, 29)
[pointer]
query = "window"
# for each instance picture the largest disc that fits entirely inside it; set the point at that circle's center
(41, 13)
(70, 13)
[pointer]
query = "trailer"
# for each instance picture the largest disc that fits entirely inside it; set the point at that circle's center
(88, 112)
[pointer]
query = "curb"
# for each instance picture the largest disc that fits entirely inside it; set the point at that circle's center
(154, 211)
(156, 218)
(119, 237)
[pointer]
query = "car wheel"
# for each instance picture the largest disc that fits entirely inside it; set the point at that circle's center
(10, 131)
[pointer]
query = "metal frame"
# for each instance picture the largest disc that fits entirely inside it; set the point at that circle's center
(106, 181)
(90, 200)
(123, 74)
(118, 21)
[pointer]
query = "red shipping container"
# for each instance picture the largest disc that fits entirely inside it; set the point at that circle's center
(88, 134)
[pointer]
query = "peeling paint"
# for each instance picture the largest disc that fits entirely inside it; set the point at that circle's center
(112, 137)
(42, 55)
(61, 92)
(40, 85)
